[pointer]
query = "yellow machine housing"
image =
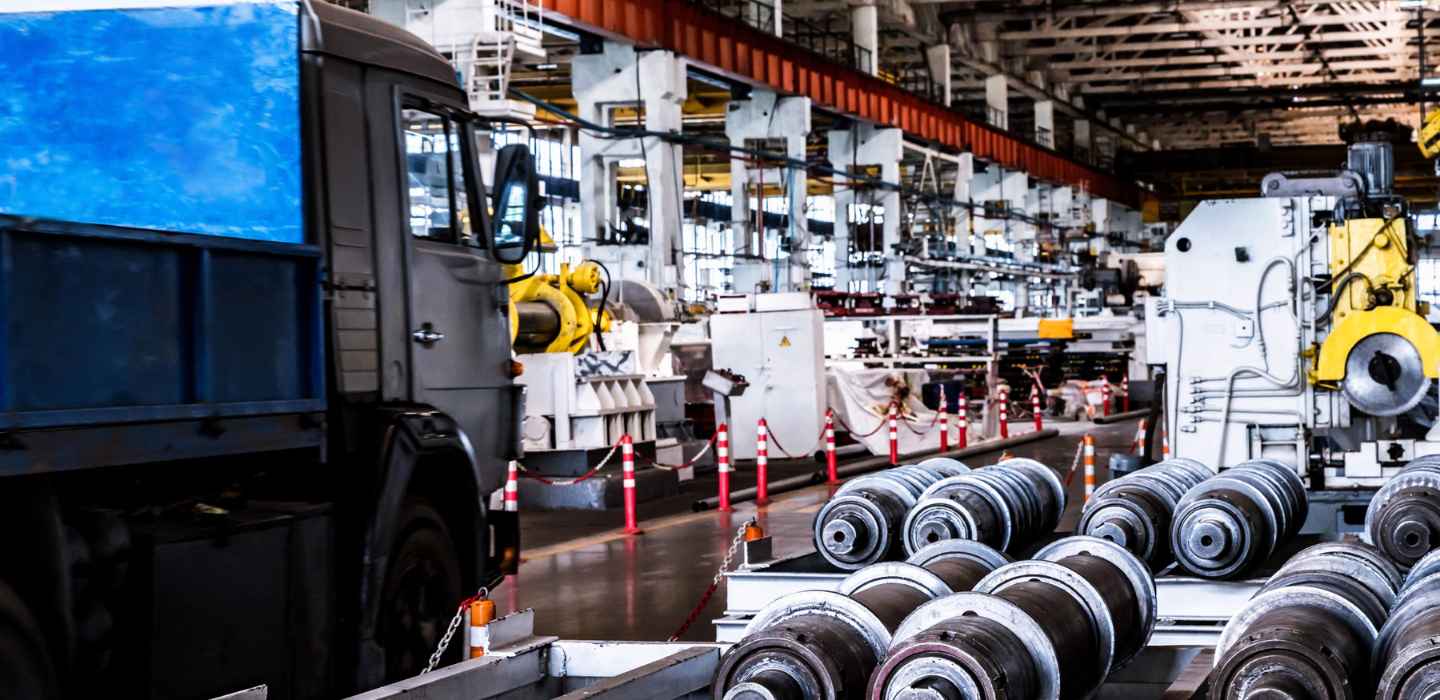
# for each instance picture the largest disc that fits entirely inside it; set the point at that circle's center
(548, 312)
(1378, 251)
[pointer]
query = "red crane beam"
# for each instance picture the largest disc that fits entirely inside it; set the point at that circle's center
(741, 52)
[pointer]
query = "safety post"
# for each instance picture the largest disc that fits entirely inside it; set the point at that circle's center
(1004, 412)
(1164, 442)
(481, 612)
(1089, 466)
(762, 463)
(1139, 443)
(1105, 396)
(894, 437)
(944, 427)
(722, 462)
(512, 487)
(1125, 393)
(964, 419)
(1037, 409)
(627, 472)
(831, 476)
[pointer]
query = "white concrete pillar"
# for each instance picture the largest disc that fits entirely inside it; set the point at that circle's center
(1083, 146)
(603, 82)
(867, 145)
(937, 57)
(1045, 123)
(761, 117)
(997, 101)
(865, 31)
(964, 217)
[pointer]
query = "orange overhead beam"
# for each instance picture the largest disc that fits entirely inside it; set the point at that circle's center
(741, 52)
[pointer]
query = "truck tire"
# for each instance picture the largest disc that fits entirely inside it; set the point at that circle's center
(421, 592)
(25, 667)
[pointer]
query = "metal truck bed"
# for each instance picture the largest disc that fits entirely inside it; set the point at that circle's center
(103, 327)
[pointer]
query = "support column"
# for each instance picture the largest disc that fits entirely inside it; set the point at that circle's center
(1083, 147)
(937, 57)
(997, 101)
(865, 31)
(762, 117)
(602, 83)
(1045, 123)
(964, 217)
(867, 145)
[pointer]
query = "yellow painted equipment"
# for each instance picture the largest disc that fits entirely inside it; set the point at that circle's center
(548, 312)
(1429, 140)
(1373, 275)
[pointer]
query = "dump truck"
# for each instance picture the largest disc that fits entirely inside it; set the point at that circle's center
(258, 385)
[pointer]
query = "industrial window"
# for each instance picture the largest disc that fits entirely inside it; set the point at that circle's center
(435, 178)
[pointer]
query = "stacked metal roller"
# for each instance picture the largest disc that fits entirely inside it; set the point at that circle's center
(1233, 521)
(1135, 510)
(1408, 652)
(1308, 633)
(860, 525)
(1049, 628)
(1403, 519)
(822, 645)
(1008, 506)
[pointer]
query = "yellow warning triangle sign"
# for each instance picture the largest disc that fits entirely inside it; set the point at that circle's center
(784, 341)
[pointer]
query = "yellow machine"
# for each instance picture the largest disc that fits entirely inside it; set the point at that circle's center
(1380, 349)
(549, 312)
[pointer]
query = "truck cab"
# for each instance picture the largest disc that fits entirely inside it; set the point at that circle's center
(257, 383)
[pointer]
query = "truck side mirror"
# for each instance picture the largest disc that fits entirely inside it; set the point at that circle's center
(516, 223)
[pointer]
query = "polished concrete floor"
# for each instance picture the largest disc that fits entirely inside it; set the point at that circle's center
(586, 579)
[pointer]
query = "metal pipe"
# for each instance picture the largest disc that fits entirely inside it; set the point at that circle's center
(1309, 631)
(1231, 522)
(1117, 417)
(1051, 627)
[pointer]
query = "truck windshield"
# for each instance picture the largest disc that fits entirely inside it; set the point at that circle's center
(436, 185)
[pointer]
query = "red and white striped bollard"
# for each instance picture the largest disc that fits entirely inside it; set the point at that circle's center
(962, 416)
(722, 463)
(831, 476)
(1105, 397)
(1037, 409)
(762, 463)
(1125, 393)
(512, 487)
(894, 437)
(1139, 443)
(1089, 467)
(627, 473)
(1004, 411)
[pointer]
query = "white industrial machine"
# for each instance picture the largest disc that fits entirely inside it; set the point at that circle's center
(776, 342)
(1290, 328)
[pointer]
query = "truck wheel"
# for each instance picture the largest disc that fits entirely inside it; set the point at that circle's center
(422, 589)
(25, 669)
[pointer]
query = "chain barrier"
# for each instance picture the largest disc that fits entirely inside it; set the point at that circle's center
(884, 419)
(715, 582)
(819, 440)
(1075, 465)
(570, 482)
(687, 463)
(450, 631)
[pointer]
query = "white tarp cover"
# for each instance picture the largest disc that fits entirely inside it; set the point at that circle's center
(860, 397)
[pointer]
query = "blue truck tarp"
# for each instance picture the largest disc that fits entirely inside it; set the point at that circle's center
(181, 119)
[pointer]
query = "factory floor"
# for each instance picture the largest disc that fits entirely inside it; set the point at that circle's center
(586, 579)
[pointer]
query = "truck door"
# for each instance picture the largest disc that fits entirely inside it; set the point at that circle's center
(459, 343)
